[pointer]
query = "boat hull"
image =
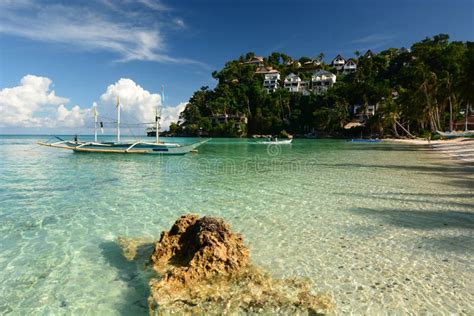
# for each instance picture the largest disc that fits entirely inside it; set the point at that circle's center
(126, 148)
(278, 142)
(456, 134)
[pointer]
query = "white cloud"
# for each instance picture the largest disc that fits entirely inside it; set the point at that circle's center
(33, 104)
(171, 114)
(91, 29)
(137, 104)
(154, 5)
(179, 23)
(71, 118)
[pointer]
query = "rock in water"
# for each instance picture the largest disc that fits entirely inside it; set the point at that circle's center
(204, 267)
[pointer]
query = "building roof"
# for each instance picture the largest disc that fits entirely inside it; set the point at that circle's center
(266, 70)
(351, 60)
(323, 73)
(369, 53)
(292, 75)
(338, 57)
(255, 59)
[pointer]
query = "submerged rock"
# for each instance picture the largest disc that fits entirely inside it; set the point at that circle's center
(204, 267)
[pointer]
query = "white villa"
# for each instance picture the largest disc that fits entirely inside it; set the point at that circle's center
(271, 78)
(338, 62)
(349, 67)
(359, 110)
(322, 80)
(293, 83)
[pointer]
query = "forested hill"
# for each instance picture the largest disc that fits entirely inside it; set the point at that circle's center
(394, 92)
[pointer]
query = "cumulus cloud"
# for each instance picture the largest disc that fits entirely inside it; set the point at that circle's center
(137, 104)
(34, 104)
(132, 36)
(171, 114)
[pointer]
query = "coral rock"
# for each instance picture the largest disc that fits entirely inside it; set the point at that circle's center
(204, 267)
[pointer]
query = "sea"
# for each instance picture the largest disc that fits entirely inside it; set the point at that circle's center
(383, 228)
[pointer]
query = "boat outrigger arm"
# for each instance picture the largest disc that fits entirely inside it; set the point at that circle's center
(138, 147)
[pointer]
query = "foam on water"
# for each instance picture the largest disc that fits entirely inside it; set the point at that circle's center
(381, 227)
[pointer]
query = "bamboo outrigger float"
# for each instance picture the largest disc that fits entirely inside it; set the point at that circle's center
(138, 147)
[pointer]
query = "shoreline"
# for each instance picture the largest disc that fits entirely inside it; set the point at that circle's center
(461, 149)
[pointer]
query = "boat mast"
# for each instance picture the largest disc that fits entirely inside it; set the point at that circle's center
(467, 114)
(94, 110)
(118, 119)
(157, 116)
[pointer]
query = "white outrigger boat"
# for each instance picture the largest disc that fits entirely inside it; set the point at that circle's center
(276, 142)
(138, 147)
(455, 134)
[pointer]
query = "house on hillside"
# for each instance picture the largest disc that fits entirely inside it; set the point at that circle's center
(349, 67)
(293, 83)
(322, 80)
(338, 62)
(271, 78)
(239, 120)
(257, 60)
(359, 112)
(368, 54)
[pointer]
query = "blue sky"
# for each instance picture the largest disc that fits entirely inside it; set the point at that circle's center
(82, 47)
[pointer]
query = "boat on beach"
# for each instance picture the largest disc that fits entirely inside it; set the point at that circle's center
(455, 134)
(118, 147)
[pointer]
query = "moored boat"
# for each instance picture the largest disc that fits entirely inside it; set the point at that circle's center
(138, 147)
(455, 134)
(276, 142)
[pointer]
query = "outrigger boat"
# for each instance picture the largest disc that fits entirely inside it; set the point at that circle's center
(455, 134)
(138, 147)
(276, 142)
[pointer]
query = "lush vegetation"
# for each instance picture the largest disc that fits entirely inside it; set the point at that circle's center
(417, 92)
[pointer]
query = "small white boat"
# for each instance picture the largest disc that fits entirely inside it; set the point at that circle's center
(276, 142)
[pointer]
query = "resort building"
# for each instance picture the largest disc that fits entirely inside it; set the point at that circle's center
(338, 62)
(312, 64)
(270, 83)
(264, 70)
(239, 120)
(368, 54)
(271, 78)
(224, 118)
(361, 113)
(349, 67)
(292, 83)
(257, 60)
(322, 80)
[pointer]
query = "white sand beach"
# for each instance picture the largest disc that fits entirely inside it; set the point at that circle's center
(458, 148)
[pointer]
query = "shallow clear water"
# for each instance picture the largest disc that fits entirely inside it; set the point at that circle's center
(381, 227)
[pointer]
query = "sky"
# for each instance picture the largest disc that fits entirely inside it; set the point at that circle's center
(59, 57)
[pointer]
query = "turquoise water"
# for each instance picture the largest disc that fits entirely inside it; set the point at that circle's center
(380, 227)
